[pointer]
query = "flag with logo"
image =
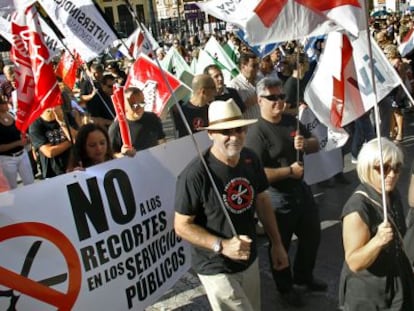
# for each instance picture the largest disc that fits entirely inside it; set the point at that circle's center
(139, 42)
(268, 21)
(147, 76)
(341, 90)
(174, 63)
(82, 25)
(37, 87)
(214, 49)
(67, 68)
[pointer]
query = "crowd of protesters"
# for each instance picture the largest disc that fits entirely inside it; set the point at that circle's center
(271, 89)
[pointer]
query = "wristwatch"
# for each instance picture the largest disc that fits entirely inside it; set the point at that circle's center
(217, 246)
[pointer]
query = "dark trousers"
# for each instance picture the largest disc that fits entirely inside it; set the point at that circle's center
(305, 223)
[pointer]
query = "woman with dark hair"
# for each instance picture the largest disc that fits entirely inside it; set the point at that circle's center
(377, 274)
(91, 147)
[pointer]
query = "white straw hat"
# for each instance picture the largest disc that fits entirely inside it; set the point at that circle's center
(224, 115)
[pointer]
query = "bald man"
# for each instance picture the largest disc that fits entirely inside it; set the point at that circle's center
(196, 109)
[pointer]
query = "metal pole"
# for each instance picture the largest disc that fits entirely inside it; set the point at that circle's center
(178, 19)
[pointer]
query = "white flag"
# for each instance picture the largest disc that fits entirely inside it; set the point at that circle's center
(82, 25)
(267, 21)
(341, 90)
(139, 42)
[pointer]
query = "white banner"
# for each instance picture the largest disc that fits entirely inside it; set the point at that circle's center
(82, 25)
(100, 239)
(326, 163)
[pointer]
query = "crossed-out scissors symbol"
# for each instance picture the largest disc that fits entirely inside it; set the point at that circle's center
(54, 280)
(238, 197)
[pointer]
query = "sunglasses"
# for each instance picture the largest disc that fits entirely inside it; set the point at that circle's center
(388, 168)
(274, 97)
(229, 132)
(138, 105)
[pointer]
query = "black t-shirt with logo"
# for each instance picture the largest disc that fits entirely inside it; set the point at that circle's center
(43, 132)
(196, 117)
(238, 187)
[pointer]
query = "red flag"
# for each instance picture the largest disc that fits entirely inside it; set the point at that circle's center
(36, 84)
(67, 67)
(118, 100)
(147, 76)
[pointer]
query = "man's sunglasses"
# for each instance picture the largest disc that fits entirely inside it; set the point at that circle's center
(388, 168)
(229, 132)
(138, 105)
(274, 97)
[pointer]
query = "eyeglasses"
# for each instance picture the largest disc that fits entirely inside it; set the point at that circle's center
(388, 168)
(274, 97)
(138, 105)
(229, 132)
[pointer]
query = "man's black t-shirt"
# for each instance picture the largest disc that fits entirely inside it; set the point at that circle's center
(196, 117)
(41, 133)
(145, 132)
(238, 187)
(274, 144)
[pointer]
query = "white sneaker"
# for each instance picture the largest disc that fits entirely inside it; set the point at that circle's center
(354, 160)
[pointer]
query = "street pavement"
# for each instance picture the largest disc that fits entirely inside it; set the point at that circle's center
(188, 294)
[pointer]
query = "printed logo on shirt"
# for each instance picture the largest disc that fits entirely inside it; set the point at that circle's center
(197, 123)
(238, 196)
(55, 136)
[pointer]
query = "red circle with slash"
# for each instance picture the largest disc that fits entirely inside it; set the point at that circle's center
(24, 285)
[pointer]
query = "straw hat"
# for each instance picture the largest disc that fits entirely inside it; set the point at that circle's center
(223, 115)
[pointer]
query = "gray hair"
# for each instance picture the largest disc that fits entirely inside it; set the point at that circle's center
(267, 83)
(369, 157)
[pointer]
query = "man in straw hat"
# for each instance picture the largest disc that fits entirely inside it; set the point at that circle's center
(221, 226)
(276, 140)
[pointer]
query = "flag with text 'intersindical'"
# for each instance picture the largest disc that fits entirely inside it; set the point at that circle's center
(82, 25)
(268, 21)
(36, 85)
(140, 41)
(152, 80)
(341, 89)
(67, 68)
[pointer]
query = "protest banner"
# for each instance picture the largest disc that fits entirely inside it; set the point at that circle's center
(99, 239)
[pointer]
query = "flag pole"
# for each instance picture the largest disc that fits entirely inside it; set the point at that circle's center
(377, 117)
(187, 126)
